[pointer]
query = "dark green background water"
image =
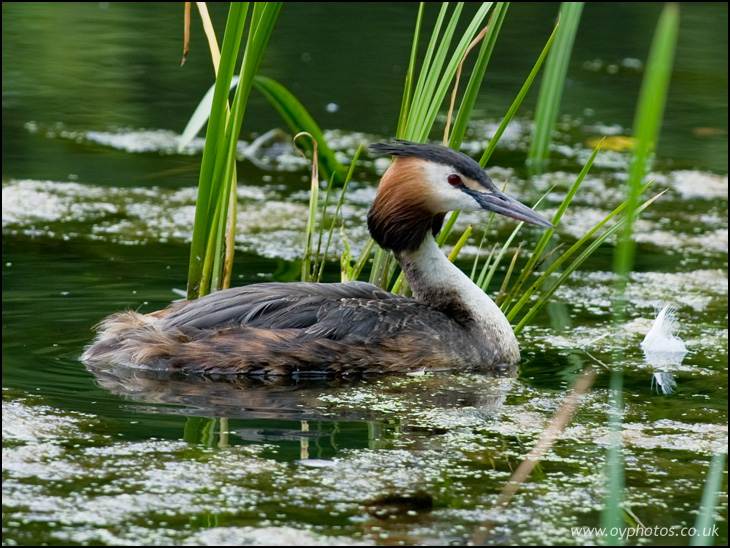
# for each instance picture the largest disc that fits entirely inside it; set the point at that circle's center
(97, 459)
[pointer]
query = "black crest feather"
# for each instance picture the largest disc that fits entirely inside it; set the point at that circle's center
(438, 154)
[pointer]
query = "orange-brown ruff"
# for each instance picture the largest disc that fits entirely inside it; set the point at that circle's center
(344, 328)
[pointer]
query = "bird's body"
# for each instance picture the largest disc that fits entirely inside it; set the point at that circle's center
(345, 328)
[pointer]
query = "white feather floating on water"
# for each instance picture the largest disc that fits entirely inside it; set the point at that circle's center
(663, 349)
(660, 337)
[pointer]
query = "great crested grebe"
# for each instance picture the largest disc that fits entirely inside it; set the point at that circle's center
(343, 328)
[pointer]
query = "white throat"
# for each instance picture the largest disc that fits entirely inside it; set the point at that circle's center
(437, 282)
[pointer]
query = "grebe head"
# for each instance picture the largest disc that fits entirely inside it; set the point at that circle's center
(427, 181)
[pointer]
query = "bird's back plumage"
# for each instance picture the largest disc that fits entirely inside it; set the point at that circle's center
(288, 328)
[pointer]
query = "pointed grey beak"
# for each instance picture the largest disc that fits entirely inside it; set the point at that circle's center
(500, 203)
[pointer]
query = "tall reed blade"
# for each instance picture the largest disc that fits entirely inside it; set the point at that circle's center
(587, 252)
(405, 106)
(309, 259)
(214, 135)
(355, 158)
(216, 196)
(541, 245)
(518, 100)
(647, 123)
(477, 76)
(430, 90)
(448, 227)
(551, 89)
(706, 516)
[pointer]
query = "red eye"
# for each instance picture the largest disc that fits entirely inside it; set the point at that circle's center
(455, 180)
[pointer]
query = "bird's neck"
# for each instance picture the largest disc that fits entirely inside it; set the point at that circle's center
(437, 282)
